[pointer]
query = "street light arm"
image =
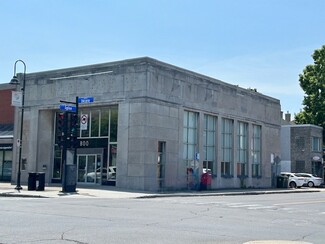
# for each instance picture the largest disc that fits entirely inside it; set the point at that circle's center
(19, 60)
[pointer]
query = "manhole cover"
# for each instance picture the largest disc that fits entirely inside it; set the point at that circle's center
(276, 242)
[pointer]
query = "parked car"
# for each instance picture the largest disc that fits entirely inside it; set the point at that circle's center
(112, 172)
(96, 175)
(293, 180)
(311, 180)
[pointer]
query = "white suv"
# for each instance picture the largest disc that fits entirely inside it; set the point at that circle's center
(293, 180)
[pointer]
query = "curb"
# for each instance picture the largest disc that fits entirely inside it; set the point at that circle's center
(21, 195)
(225, 194)
(176, 194)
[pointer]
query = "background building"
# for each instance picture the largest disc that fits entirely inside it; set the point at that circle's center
(301, 149)
(152, 126)
(6, 132)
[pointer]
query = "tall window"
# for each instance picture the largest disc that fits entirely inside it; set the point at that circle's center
(227, 147)
(190, 138)
(161, 163)
(209, 143)
(316, 144)
(256, 151)
(242, 149)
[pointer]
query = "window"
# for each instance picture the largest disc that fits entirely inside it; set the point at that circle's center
(101, 123)
(5, 164)
(256, 151)
(190, 138)
(209, 132)
(300, 142)
(242, 149)
(94, 123)
(300, 166)
(57, 163)
(316, 144)
(227, 147)
(104, 122)
(161, 163)
(113, 125)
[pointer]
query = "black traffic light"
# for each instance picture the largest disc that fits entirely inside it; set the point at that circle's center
(73, 130)
(61, 128)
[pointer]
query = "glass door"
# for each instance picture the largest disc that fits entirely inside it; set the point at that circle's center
(87, 171)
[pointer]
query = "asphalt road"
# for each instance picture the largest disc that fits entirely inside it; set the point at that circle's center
(211, 219)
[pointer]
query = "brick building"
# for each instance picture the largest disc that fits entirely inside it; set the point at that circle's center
(6, 132)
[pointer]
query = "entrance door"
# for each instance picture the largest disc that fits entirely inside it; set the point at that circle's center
(87, 170)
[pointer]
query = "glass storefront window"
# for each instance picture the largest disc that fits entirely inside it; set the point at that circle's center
(101, 123)
(104, 122)
(94, 123)
(5, 165)
(57, 163)
(113, 125)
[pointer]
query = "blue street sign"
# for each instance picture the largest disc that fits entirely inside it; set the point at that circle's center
(85, 99)
(68, 108)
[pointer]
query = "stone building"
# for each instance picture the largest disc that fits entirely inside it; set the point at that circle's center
(152, 126)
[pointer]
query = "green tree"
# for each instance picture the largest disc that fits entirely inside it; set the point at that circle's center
(312, 81)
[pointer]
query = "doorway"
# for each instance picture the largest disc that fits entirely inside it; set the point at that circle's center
(89, 168)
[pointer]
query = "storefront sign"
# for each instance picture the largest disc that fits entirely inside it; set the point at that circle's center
(93, 143)
(316, 158)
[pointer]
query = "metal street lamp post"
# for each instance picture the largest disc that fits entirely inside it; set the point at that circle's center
(15, 81)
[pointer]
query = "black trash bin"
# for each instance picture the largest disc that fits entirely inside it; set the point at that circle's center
(282, 181)
(40, 178)
(31, 181)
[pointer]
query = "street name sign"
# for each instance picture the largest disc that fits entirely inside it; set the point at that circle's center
(68, 108)
(85, 99)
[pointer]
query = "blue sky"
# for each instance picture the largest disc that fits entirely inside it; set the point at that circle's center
(262, 44)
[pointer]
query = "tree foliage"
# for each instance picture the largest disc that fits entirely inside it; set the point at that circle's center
(312, 81)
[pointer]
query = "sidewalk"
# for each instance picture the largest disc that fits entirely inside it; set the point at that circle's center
(8, 190)
(55, 191)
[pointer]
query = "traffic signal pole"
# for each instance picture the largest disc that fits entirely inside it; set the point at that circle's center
(75, 146)
(70, 142)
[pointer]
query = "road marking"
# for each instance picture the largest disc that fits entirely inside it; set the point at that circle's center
(261, 207)
(298, 203)
(208, 203)
(276, 242)
(245, 206)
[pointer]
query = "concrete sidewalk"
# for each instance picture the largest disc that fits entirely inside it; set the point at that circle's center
(55, 191)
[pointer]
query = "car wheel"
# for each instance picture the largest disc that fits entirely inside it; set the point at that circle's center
(293, 184)
(310, 184)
